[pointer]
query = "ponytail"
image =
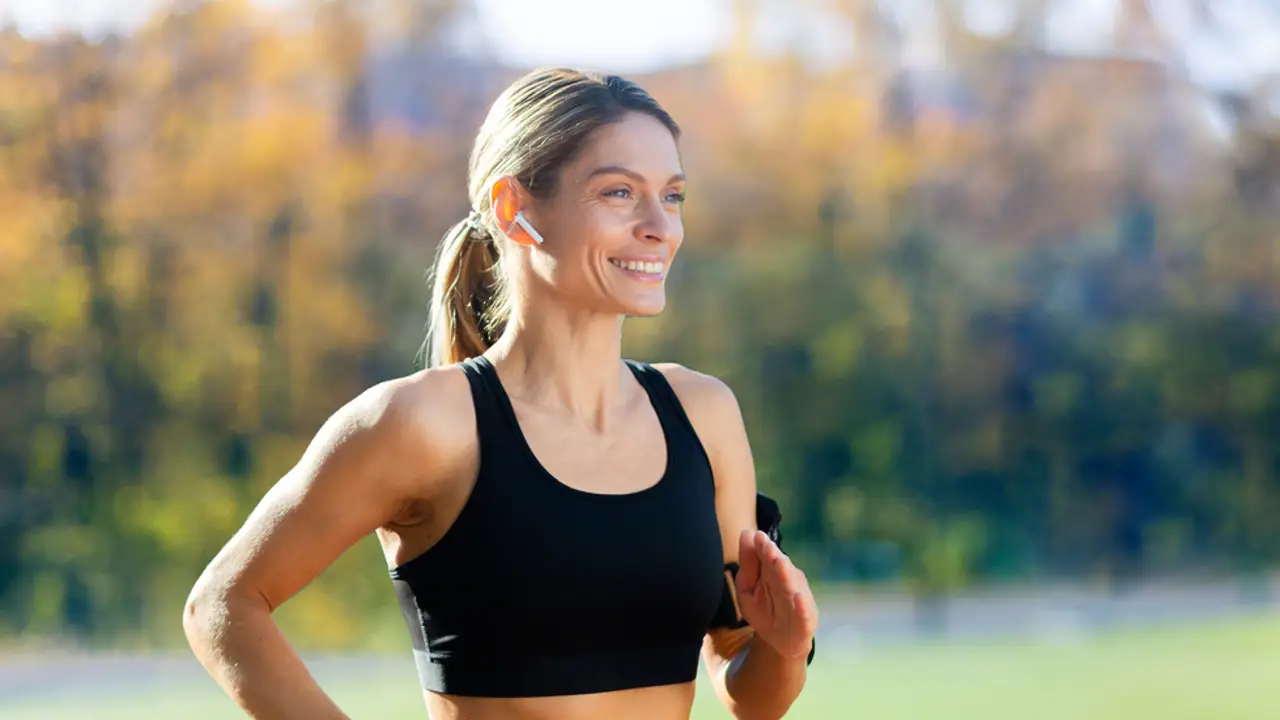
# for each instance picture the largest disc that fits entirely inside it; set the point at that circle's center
(468, 300)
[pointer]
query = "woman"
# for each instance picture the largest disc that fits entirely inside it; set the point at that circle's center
(566, 530)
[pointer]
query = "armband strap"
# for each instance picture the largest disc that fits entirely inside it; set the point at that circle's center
(729, 614)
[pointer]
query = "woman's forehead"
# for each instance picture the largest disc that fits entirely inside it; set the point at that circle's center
(639, 143)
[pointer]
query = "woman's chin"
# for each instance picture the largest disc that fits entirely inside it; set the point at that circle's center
(647, 308)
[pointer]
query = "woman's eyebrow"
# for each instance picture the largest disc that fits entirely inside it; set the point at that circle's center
(620, 170)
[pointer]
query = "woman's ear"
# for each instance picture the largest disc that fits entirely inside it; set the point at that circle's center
(508, 199)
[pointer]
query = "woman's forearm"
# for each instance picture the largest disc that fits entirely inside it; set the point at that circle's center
(239, 644)
(761, 683)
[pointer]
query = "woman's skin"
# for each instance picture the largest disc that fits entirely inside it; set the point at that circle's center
(401, 459)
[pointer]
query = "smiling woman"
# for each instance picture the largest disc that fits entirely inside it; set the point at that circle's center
(534, 175)
(566, 530)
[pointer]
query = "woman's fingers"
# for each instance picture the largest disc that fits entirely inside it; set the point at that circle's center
(764, 567)
(783, 577)
(804, 606)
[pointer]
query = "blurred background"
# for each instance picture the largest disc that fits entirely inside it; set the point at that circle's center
(996, 283)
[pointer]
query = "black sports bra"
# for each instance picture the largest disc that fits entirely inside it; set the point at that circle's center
(539, 589)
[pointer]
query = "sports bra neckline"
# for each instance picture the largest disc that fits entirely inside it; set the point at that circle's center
(491, 378)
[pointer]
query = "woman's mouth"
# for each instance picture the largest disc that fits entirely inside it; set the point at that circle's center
(648, 270)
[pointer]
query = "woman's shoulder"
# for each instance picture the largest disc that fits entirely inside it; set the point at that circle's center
(706, 399)
(713, 411)
(426, 414)
(394, 443)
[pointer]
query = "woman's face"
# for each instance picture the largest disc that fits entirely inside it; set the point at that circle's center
(612, 227)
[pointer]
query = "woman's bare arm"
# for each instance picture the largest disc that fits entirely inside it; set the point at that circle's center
(369, 458)
(752, 679)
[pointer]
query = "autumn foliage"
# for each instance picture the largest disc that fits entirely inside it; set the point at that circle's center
(1008, 318)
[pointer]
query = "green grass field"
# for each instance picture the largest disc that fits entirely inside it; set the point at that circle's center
(1225, 671)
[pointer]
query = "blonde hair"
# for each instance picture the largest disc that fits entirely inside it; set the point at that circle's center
(536, 125)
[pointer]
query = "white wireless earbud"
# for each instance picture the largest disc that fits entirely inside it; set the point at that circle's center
(522, 222)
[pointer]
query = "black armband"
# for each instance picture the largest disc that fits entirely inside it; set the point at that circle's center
(729, 614)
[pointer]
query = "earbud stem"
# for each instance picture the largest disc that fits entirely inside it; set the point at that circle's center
(522, 222)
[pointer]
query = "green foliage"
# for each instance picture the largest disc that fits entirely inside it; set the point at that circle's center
(971, 343)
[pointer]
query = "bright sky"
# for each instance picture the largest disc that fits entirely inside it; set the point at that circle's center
(522, 31)
(619, 37)
(638, 36)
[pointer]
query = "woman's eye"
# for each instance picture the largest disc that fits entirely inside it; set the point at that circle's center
(625, 194)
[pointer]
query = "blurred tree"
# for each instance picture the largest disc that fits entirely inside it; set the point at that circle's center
(1006, 314)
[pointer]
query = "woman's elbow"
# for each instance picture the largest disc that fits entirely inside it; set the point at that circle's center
(207, 613)
(200, 614)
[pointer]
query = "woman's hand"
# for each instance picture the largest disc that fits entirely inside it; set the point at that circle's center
(774, 596)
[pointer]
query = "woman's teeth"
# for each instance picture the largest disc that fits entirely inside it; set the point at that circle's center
(636, 266)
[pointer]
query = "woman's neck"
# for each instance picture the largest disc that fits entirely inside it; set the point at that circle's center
(563, 360)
